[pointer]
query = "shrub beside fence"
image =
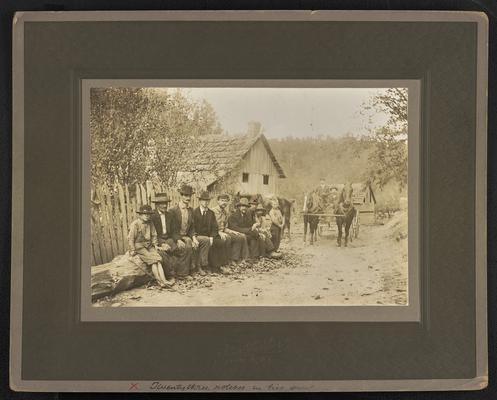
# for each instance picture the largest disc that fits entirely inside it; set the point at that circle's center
(112, 211)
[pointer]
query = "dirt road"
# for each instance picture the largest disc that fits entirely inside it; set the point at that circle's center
(372, 270)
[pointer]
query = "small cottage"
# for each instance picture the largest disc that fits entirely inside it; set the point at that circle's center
(242, 164)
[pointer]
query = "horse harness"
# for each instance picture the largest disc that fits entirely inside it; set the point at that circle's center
(344, 210)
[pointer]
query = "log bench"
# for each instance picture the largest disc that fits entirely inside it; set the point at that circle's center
(124, 272)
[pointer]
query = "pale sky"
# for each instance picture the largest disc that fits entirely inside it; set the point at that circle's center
(298, 112)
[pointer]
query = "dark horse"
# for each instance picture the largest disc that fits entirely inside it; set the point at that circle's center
(312, 205)
(286, 207)
(346, 213)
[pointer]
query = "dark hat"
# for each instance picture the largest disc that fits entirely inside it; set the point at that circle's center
(204, 196)
(223, 196)
(186, 190)
(161, 198)
(260, 207)
(145, 209)
(243, 202)
(254, 200)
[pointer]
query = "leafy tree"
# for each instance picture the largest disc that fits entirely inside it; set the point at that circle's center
(389, 159)
(118, 121)
(144, 133)
(205, 119)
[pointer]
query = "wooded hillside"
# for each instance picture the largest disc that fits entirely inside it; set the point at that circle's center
(337, 160)
(306, 160)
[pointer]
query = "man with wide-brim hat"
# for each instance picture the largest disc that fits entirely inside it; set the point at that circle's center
(183, 232)
(162, 221)
(243, 221)
(206, 233)
(219, 258)
(142, 241)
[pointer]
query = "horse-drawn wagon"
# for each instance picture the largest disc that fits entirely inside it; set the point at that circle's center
(332, 207)
(327, 223)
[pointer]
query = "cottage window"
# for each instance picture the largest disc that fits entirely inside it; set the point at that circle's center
(245, 177)
(265, 179)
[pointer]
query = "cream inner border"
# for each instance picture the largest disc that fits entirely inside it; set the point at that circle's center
(410, 312)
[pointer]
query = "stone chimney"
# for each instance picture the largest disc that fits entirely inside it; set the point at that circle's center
(254, 128)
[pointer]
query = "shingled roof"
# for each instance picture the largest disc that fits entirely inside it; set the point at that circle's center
(217, 155)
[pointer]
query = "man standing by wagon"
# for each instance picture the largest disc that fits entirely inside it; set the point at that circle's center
(183, 232)
(243, 221)
(323, 191)
(166, 246)
(234, 244)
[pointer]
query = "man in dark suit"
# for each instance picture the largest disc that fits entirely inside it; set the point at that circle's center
(206, 231)
(162, 221)
(243, 221)
(183, 232)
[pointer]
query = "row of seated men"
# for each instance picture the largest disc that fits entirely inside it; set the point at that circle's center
(182, 241)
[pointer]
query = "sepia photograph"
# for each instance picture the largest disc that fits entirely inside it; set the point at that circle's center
(249, 196)
(271, 215)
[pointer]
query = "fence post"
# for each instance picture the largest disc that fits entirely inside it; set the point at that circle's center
(96, 235)
(124, 217)
(113, 215)
(107, 254)
(118, 218)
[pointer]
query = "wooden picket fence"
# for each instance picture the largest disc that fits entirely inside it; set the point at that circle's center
(113, 210)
